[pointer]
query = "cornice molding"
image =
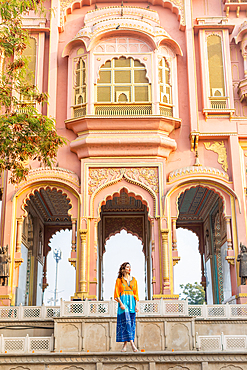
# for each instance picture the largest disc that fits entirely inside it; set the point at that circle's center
(158, 357)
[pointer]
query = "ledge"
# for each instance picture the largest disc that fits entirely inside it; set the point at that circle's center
(150, 122)
(196, 170)
(123, 136)
(212, 113)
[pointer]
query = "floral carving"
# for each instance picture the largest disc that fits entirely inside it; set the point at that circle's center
(219, 148)
(147, 176)
(133, 225)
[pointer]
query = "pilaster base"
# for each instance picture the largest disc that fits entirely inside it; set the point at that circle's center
(166, 296)
(5, 296)
(82, 296)
(241, 297)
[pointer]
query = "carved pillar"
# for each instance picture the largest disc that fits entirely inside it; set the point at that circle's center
(203, 282)
(228, 231)
(19, 235)
(230, 252)
(175, 257)
(73, 241)
(83, 282)
(166, 283)
(174, 235)
(45, 284)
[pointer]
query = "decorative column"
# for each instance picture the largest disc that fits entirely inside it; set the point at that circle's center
(72, 259)
(175, 257)
(166, 283)
(230, 252)
(19, 235)
(18, 259)
(73, 242)
(203, 282)
(83, 282)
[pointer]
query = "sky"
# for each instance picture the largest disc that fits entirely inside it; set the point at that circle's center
(120, 248)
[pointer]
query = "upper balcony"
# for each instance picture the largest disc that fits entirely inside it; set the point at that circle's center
(234, 6)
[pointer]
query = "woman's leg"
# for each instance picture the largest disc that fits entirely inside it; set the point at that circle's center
(124, 346)
(133, 346)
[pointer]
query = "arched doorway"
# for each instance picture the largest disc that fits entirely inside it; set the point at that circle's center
(124, 211)
(61, 240)
(188, 247)
(201, 210)
(123, 247)
(47, 210)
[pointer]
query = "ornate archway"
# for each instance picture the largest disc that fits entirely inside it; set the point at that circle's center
(42, 210)
(205, 210)
(128, 212)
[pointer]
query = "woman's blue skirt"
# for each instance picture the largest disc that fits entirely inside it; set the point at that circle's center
(126, 326)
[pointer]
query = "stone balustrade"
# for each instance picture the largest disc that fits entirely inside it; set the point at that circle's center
(26, 344)
(109, 309)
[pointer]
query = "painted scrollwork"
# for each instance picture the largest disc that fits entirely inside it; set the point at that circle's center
(147, 176)
(220, 149)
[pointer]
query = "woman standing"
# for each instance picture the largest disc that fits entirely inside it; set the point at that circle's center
(126, 294)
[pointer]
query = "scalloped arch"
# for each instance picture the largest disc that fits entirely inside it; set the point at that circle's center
(126, 57)
(216, 186)
(202, 186)
(117, 194)
(108, 184)
(60, 228)
(45, 187)
(193, 231)
(128, 232)
(176, 7)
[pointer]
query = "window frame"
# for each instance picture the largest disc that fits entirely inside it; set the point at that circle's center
(132, 84)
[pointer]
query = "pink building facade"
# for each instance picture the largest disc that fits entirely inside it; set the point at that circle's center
(152, 98)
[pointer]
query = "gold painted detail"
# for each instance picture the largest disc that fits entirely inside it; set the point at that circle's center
(166, 296)
(219, 148)
(72, 261)
(166, 110)
(147, 176)
(175, 260)
(83, 282)
(190, 170)
(52, 173)
(79, 110)
(123, 110)
(194, 139)
(164, 237)
(230, 260)
(218, 103)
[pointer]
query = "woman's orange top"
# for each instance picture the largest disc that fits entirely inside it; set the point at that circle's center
(122, 287)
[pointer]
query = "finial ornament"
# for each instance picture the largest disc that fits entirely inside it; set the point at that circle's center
(197, 162)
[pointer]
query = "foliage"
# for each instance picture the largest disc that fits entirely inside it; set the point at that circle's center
(194, 292)
(24, 133)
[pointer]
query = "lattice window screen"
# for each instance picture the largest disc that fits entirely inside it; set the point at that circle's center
(164, 82)
(123, 80)
(30, 53)
(80, 82)
(215, 66)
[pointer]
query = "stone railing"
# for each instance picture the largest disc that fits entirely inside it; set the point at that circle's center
(87, 308)
(221, 342)
(79, 110)
(26, 344)
(166, 110)
(123, 109)
(13, 313)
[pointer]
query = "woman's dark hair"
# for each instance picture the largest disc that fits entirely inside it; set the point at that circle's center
(121, 269)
